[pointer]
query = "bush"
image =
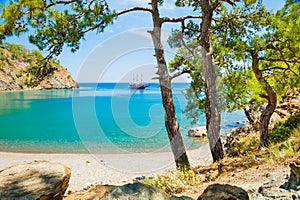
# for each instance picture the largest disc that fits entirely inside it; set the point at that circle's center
(282, 151)
(283, 130)
(174, 181)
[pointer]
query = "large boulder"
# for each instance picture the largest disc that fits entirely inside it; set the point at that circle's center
(34, 180)
(224, 192)
(136, 191)
(197, 131)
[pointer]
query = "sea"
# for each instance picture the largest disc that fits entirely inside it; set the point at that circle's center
(96, 118)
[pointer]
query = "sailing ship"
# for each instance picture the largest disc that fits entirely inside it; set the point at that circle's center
(136, 84)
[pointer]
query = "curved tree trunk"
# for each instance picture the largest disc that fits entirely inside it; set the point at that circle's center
(271, 96)
(171, 122)
(210, 73)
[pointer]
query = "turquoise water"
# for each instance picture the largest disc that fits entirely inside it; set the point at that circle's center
(106, 117)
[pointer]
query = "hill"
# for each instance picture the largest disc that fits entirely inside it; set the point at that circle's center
(22, 69)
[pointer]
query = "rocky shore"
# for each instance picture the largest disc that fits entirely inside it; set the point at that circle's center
(60, 79)
(49, 180)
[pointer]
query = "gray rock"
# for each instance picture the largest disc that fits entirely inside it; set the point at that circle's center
(258, 196)
(92, 193)
(296, 196)
(234, 135)
(197, 132)
(294, 179)
(272, 190)
(181, 198)
(35, 180)
(220, 191)
(136, 191)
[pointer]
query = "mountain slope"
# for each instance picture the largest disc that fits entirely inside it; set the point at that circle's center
(19, 68)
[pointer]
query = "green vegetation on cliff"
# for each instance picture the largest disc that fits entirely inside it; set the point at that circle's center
(285, 129)
(34, 72)
(22, 69)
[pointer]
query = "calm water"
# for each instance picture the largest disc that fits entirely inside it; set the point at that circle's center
(106, 117)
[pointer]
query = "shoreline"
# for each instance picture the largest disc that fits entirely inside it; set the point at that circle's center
(116, 169)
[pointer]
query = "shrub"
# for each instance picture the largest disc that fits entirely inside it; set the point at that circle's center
(282, 151)
(283, 130)
(174, 181)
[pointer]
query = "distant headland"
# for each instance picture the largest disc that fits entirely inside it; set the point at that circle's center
(20, 70)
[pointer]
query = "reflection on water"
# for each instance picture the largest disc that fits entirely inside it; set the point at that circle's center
(11, 101)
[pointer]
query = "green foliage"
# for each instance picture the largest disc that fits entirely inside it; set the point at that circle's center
(282, 151)
(20, 73)
(283, 130)
(38, 68)
(27, 80)
(295, 139)
(241, 90)
(188, 59)
(54, 25)
(174, 181)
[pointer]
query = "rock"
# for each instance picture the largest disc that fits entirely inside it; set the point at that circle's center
(34, 180)
(16, 78)
(220, 191)
(294, 179)
(272, 190)
(197, 132)
(60, 79)
(233, 138)
(296, 196)
(236, 132)
(258, 196)
(181, 198)
(93, 193)
(136, 191)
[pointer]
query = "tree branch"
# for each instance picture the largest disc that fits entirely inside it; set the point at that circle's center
(133, 9)
(53, 3)
(179, 19)
(232, 3)
(184, 71)
(280, 60)
(215, 5)
(271, 68)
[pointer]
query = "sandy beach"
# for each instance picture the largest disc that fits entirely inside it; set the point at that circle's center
(88, 169)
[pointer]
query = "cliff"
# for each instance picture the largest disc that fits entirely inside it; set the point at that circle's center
(19, 67)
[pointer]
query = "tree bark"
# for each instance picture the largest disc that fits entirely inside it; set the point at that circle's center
(271, 96)
(248, 115)
(210, 73)
(171, 122)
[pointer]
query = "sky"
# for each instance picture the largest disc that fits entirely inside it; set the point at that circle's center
(124, 49)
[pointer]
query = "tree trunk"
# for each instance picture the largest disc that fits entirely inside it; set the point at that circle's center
(176, 142)
(210, 73)
(271, 96)
(248, 115)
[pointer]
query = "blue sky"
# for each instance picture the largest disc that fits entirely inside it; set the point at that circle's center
(124, 48)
